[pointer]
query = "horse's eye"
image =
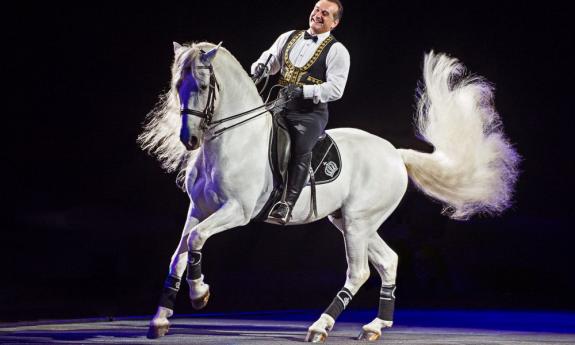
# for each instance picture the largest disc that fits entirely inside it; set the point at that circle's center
(203, 87)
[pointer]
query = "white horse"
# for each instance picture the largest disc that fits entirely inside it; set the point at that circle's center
(228, 178)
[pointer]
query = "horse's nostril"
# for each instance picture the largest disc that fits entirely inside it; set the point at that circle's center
(193, 142)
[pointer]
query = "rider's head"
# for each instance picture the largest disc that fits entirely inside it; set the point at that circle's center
(325, 16)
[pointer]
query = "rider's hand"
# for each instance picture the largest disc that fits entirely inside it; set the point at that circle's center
(294, 91)
(259, 73)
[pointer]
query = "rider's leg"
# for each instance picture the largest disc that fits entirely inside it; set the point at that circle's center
(305, 130)
(297, 176)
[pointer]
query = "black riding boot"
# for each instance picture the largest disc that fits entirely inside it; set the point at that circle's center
(297, 177)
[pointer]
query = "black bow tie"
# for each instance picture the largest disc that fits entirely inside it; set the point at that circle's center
(308, 36)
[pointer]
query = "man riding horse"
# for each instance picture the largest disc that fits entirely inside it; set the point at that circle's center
(314, 68)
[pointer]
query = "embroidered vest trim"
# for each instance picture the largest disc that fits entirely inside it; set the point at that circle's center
(292, 74)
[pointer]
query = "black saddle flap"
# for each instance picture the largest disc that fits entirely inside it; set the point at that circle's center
(281, 143)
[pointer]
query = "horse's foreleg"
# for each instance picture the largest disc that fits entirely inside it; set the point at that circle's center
(160, 324)
(230, 215)
(385, 260)
(356, 236)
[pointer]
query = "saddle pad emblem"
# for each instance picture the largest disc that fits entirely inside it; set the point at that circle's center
(330, 168)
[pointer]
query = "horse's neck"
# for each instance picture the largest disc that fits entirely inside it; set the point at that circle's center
(249, 137)
(237, 160)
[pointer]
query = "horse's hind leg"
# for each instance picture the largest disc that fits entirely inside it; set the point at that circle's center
(356, 235)
(159, 325)
(384, 259)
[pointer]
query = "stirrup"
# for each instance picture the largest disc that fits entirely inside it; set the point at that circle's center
(283, 220)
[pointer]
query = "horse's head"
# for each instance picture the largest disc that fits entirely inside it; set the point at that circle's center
(194, 80)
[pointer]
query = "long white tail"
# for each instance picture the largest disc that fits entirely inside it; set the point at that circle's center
(474, 167)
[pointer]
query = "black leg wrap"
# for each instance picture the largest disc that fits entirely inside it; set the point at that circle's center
(386, 303)
(339, 303)
(194, 265)
(169, 293)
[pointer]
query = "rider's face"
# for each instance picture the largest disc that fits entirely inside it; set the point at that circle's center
(322, 17)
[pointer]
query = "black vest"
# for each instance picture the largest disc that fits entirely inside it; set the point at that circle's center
(312, 73)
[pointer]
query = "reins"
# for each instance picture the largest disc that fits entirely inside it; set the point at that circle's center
(208, 112)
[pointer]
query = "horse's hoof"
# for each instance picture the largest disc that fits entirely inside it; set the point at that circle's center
(157, 331)
(368, 335)
(201, 302)
(315, 337)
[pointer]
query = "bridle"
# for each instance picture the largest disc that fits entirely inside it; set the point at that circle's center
(208, 113)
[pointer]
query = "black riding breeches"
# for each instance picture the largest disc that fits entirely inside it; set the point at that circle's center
(305, 128)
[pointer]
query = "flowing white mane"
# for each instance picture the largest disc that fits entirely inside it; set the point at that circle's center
(160, 135)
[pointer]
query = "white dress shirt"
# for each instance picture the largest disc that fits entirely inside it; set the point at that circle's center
(337, 63)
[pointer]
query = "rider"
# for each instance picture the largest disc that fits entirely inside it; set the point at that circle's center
(314, 67)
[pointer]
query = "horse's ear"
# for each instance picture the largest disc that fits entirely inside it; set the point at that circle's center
(211, 54)
(177, 47)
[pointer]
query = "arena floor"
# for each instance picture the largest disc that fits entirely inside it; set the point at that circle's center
(412, 327)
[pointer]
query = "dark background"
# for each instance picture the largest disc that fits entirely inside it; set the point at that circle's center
(90, 221)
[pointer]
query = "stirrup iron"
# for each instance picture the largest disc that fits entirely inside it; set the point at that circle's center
(284, 220)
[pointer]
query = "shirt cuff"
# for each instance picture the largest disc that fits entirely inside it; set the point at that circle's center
(311, 91)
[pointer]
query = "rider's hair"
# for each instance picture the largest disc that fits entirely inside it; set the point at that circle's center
(339, 12)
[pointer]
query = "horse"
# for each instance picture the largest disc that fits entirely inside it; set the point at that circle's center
(227, 174)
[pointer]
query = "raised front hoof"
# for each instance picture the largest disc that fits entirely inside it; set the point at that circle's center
(201, 302)
(315, 337)
(157, 331)
(368, 335)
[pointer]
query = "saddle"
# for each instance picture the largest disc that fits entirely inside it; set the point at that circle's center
(325, 163)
